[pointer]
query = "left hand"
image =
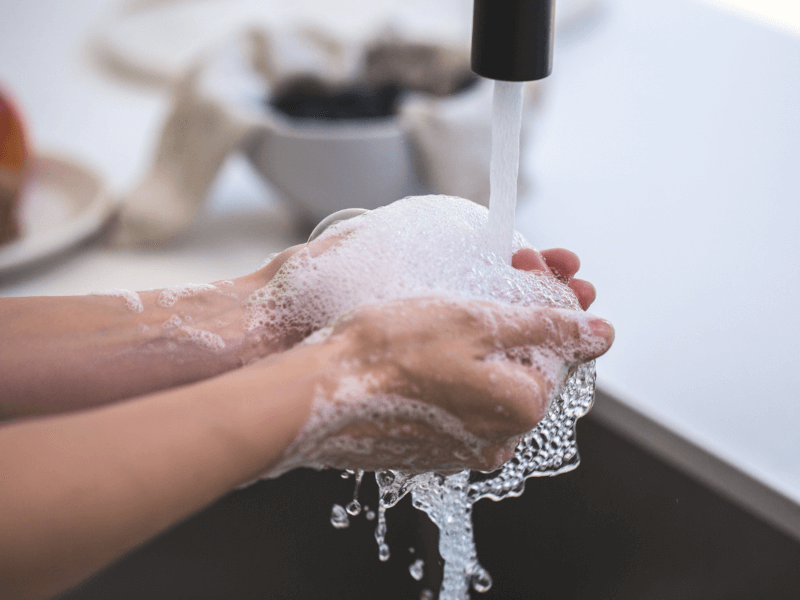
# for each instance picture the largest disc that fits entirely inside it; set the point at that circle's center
(563, 264)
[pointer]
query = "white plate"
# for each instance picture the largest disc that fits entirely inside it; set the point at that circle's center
(62, 204)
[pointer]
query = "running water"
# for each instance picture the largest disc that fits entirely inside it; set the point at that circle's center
(504, 169)
(548, 449)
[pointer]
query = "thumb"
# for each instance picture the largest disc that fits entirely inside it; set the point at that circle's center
(602, 337)
(578, 336)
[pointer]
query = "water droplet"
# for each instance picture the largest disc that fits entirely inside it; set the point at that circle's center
(417, 569)
(345, 474)
(354, 508)
(481, 580)
(385, 478)
(427, 594)
(411, 549)
(359, 477)
(370, 515)
(383, 552)
(339, 517)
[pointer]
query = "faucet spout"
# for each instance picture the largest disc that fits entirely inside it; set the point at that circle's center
(512, 40)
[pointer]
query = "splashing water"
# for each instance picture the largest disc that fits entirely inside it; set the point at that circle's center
(354, 508)
(339, 518)
(549, 449)
(417, 569)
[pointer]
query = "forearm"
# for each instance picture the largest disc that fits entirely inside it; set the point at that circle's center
(78, 491)
(59, 354)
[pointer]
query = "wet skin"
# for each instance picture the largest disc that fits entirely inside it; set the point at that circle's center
(79, 489)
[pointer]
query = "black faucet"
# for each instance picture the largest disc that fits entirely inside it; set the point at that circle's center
(512, 40)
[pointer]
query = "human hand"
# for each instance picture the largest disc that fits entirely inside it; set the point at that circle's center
(433, 384)
(563, 264)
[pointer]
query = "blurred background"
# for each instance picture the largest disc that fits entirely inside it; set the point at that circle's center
(168, 141)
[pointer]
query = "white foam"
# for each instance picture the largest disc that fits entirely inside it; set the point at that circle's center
(224, 283)
(431, 247)
(169, 296)
(132, 300)
(205, 339)
(421, 246)
(172, 322)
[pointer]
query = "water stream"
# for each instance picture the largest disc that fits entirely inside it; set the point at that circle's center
(504, 167)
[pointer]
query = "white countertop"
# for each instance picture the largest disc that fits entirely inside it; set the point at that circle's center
(668, 158)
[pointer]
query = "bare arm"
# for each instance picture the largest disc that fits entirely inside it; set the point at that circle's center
(79, 490)
(63, 353)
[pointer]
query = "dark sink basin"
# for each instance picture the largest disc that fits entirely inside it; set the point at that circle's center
(624, 525)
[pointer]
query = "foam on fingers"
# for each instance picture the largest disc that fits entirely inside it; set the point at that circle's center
(436, 248)
(422, 246)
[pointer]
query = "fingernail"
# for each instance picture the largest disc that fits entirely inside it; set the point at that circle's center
(602, 328)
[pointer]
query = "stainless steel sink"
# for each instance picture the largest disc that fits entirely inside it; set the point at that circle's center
(624, 525)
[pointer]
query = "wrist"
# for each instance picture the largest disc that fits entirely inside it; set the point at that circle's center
(205, 324)
(272, 400)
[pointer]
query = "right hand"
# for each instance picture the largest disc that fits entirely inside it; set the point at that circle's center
(451, 357)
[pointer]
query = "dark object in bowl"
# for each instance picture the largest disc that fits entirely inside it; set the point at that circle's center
(311, 98)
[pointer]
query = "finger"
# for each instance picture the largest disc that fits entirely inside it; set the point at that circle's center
(562, 262)
(584, 292)
(576, 335)
(524, 379)
(519, 398)
(276, 263)
(320, 245)
(596, 343)
(314, 248)
(528, 259)
(492, 397)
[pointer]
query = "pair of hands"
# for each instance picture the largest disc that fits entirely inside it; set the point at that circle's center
(106, 480)
(468, 404)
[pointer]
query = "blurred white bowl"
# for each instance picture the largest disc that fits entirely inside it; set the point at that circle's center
(322, 168)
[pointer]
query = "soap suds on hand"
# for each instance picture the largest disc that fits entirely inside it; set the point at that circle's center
(132, 300)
